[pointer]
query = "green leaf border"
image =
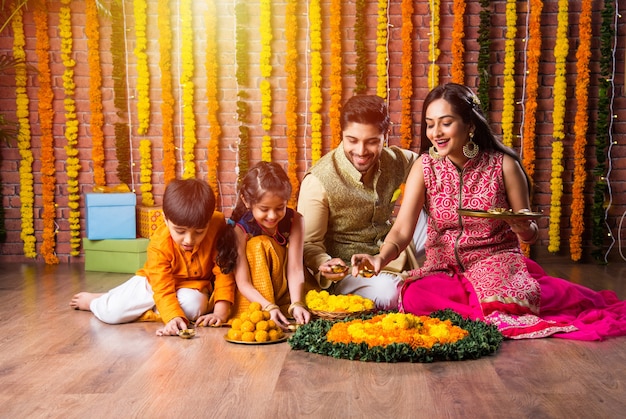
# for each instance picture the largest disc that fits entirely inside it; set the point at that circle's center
(483, 339)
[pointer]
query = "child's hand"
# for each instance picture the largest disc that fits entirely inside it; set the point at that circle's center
(172, 327)
(210, 319)
(301, 315)
(279, 318)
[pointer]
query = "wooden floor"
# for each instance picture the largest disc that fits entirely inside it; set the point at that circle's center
(57, 362)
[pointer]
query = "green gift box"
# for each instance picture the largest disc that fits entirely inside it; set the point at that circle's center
(115, 255)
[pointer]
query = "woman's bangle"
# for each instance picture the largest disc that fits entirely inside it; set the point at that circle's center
(394, 244)
(271, 307)
(294, 305)
(534, 236)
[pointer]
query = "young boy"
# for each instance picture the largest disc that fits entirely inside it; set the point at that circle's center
(183, 268)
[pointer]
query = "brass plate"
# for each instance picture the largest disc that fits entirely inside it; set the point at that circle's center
(500, 215)
(227, 339)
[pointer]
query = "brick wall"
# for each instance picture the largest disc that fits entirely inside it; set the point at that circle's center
(12, 248)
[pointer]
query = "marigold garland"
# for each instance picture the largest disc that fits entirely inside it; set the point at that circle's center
(533, 53)
(458, 49)
(360, 70)
(95, 95)
(215, 129)
(315, 35)
(145, 176)
(406, 82)
(433, 44)
(243, 62)
(395, 337)
(140, 8)
(186, 80)
(583, 56)
(561, 50)
(27, 194)
(266, 72)
(336, 78)
(167, 106)
(46, 117)
(508, 105)
(291, 112)
(382, 56)
(72, 163)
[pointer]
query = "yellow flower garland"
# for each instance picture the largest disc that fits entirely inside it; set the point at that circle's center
(433, 45)
(561, 50)
(406, 82)
(145, 175)
(533, 52)
(186, 80)
(583, 56)
(382, 57)
(72, 164)
(266, 72)
(334, 112)
(291, 113)
(46, 117)
(95, 95)
(215, 128)
(27, 195)
(315, 34)
(167, 106)
(458, 49)
(397, 328)
(143, 71)
(508, 105)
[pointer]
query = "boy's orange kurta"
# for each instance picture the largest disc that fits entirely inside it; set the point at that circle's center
(169, 268)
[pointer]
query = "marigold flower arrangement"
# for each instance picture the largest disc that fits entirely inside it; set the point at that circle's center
(350, 303)
(92, 30)
(186, 80)
(213, 105)
(291, 113)
(143, 70)
(315, 35)
(580, 131)
(336, 78)
(406, 81)
(266, 72)
(27, 194)
(382, 58)
(561, 50)
(508, 105)
(458, 49)
(241, 54)
(398, 337)
(433, 44)
(72, 163)
(167, 106)
(46, 116)
(145, 148)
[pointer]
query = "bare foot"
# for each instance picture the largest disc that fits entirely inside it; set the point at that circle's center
(82, 300)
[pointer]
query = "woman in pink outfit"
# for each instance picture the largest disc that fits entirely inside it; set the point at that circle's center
(474, 265)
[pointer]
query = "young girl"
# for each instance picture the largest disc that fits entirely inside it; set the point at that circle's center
(270, 235)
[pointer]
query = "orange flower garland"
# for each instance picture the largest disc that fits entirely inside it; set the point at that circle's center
(212, 101)
(266, 72)
(561, 50)
(406, 83)
(291, 113)
(334, 112)
(533, 53)
(508, 105)
(95, 95)
(433, 44)
(167, 106)
(46, 117)
(27, 195)
(458, 49)
(72, 164)
(186, 80)
(315, 34)
(382, 58)
(583, 56)
(143, 70)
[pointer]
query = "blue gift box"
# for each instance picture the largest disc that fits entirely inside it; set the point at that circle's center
(111, 216)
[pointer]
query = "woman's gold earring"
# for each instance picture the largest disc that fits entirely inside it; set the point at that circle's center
(470, 149)
(434, 154)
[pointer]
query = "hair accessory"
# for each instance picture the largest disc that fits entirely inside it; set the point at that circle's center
(474, 102)
(434, 154)
(470, 149)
